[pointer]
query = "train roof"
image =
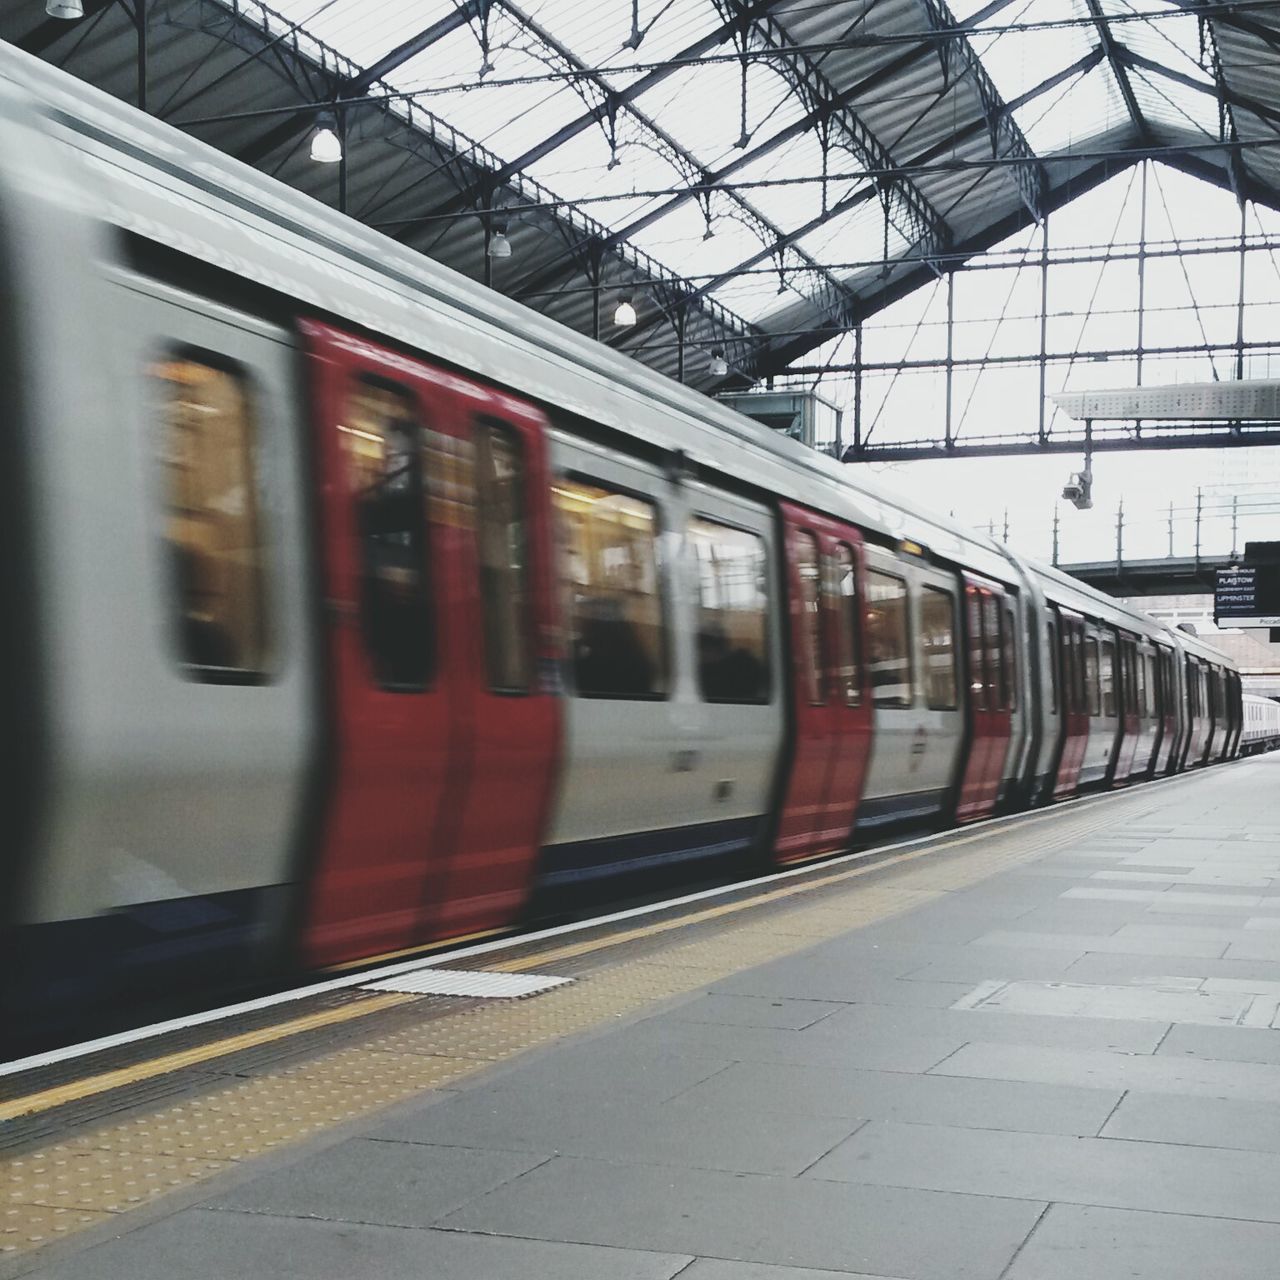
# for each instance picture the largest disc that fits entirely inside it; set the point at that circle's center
(160, 184)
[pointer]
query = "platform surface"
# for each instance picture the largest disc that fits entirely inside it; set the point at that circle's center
(1037, 1051)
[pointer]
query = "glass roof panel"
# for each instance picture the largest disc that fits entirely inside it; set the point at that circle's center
(550, 63)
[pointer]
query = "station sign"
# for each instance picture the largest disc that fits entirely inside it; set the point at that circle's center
(1247, 596)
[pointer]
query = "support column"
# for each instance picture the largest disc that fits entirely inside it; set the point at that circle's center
(1042, 433)
(951, 329)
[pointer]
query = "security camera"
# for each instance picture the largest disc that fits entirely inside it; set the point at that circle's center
(1079, 490)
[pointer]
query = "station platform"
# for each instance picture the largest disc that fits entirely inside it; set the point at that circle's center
(1036, 1049)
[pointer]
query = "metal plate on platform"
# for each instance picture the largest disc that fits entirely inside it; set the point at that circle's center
(462, 982)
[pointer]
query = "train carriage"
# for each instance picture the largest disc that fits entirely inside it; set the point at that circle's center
(355, 608)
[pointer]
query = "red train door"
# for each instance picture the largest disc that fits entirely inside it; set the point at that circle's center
(1127, 662)
(989, 702)
(832, 725)
(485, 859)
(412, 740)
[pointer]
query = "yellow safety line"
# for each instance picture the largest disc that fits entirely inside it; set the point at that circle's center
(541, 958)
(47, 1099)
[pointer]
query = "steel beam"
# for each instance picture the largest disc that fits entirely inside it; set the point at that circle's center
(1224, 436)
(651, 79)
(47, 33)
(357, 85)
(1007, 139)
(765, 227)
(1115, 56)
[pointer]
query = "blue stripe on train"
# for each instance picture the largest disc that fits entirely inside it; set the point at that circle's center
(586, 860)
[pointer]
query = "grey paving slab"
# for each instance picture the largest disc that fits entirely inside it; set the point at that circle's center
(1201, 1122)
(1097, 918)
(1100, 967)
(1003, 1028)
(1167, 937)
(920, 1235)
(749, 1088)
(755, 1011)
(982, 964)
(1114, 1244)
(719, 1269)
(1161, 1001)
(361, 1181)
(619, 1128)
(1117, 944)
(887, 1052)
(1039, 1166)
(1259, 946)
(1228, 1044)
(202, 1244)
(1152, 1073)
(608, 1066)
(808, 975)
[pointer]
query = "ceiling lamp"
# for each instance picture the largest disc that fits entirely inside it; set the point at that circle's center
(499, 245)
(326, 146)
(68, 9)
(624, 314)
(718, 366)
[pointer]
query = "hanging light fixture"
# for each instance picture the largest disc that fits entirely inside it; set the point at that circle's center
(624, 314)
(718, 365)
(68, 9)
(326, 146)
(499, 245)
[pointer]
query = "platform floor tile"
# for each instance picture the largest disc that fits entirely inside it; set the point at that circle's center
(1117, 1244)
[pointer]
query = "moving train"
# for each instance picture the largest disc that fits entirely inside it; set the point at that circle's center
(1261, 732)
(351, 607)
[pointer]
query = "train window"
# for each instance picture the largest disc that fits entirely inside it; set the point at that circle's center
(808, 570)
(1094, 698)
(1051, 633)
(503, 544)
(1107, 672)
(978, 683)
(217, 557)
(733, 612)
(888, 639)
(613, 593)
(845, 603)
(996, 698)
(382, 440)
(938, 638)
(1009, 662)
(1141, 662)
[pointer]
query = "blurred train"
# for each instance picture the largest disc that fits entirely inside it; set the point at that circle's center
(1261, 730)
(351, 607)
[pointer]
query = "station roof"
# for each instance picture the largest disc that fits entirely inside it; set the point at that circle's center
(754, 175)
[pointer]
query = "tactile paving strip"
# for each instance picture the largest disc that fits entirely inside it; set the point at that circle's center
(81, 1181)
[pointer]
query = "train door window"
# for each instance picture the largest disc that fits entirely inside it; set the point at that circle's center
(733, 612)
(1140, 665)
(502, 536)
(808, 570)
(382, 441)
(613, 591)
(845, 602)
(997, 697)
(888, 639)
(938, 638)
(1051, 632)
(1107, 673)
(1094, 701)
(979, 692)
(213, 532)
(1009, 661)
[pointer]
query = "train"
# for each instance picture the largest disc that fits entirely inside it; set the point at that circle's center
(1261, 730)
(353, 608)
